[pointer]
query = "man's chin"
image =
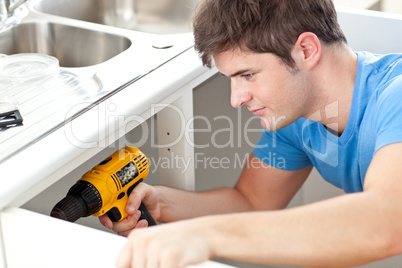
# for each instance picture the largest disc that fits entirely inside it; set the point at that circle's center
(274, 123)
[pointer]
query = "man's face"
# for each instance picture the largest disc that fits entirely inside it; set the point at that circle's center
(269, 88)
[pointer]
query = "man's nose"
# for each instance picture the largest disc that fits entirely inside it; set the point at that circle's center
(239, 95)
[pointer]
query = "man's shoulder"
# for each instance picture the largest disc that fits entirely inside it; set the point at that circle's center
(390, 63)
(379, 73)
(391, 91)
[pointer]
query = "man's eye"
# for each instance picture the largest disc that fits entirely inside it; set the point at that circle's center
(248, 76)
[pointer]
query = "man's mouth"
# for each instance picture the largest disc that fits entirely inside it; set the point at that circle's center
(258, 111)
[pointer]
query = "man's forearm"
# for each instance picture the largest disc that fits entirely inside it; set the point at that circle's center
(179, 204)
(345, 231)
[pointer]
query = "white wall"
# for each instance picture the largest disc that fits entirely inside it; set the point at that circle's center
(393, 6)
(366, 4)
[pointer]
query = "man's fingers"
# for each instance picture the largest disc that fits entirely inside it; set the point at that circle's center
(139, 225)
(127, 224)
(135, 198)
(105, 221)
(124, 259)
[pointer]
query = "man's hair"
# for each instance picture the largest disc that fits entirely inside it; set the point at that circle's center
(262, 26)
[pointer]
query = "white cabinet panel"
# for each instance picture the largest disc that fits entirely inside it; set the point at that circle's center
(35, 240)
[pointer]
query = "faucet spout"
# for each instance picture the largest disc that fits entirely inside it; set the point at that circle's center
(7, 7)
(12, 8)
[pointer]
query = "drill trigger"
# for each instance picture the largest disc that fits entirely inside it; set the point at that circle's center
(114, 214)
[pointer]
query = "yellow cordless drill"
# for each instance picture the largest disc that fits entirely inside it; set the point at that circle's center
(105, 188)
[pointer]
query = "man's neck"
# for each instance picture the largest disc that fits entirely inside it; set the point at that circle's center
(335, 79)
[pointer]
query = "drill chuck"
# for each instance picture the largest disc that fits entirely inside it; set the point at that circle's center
(82, 200)
(70, 208)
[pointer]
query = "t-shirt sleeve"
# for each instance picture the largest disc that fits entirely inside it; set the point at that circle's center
(280, 150)
(388, 120)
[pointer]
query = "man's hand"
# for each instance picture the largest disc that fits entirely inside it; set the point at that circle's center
(144, 193)
(174, 245)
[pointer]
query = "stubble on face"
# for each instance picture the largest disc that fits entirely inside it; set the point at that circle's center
(278, 88)
(295, 101)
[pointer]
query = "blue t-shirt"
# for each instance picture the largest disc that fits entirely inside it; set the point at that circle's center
(375, 120)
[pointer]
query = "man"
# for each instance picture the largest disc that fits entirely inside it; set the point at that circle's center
(321, 105)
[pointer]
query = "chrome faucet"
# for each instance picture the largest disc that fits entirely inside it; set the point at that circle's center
(7, 8)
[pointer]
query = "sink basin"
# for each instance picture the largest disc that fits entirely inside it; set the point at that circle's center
(152, 16)
(97, 60)
(74, 47)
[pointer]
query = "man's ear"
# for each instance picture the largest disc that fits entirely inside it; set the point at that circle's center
(307, 49)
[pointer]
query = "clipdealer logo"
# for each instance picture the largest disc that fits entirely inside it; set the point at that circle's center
(108, 126)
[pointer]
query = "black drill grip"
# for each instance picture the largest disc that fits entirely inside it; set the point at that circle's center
(145, 215)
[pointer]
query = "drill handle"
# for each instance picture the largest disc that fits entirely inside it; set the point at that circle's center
(145, 215)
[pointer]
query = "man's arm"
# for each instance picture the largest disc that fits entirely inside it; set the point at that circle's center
(260, 187)
(344, 231)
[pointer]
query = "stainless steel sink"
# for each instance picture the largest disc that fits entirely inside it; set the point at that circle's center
(73, 46)
(152, 16)
(96, 60)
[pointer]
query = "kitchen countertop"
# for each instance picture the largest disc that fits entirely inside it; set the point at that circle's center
(56, 92)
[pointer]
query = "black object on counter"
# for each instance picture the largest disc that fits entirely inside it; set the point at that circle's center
(10, 119)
